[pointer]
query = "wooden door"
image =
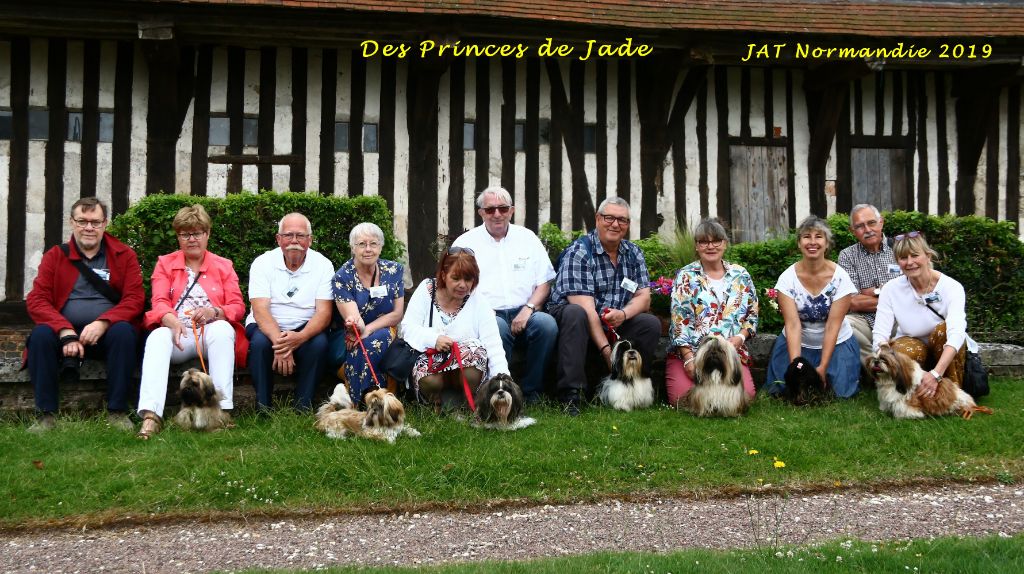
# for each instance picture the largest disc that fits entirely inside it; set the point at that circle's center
(879, 177)
(760, 191)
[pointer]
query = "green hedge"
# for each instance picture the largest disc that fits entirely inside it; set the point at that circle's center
(984, 255)
(244, 226)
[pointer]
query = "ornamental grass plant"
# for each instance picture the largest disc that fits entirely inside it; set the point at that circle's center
(87, 473)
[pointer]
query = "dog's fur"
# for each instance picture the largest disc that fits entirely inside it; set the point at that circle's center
(803, 385)
(200, 403)
(499, 404)
(625, 388)
(717, 381)
(897, 378)
(384, 418)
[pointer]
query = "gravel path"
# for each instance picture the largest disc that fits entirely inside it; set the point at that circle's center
(437, 537)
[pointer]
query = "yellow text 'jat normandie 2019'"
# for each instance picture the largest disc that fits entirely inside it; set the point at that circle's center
(547, 49)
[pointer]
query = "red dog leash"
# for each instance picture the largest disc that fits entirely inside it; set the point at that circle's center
(465, 384)
(199, 343)
(615, 334)
(366, 355)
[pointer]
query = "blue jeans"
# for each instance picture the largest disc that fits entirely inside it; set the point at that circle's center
(310, 360)
(843, 368)
(117, 347)
(538, 338)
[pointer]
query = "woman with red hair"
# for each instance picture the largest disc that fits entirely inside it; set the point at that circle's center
(445, 311)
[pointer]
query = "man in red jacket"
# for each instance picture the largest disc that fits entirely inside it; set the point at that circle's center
(86, 301)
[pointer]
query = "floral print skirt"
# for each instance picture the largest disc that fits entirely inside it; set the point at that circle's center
(473, 354)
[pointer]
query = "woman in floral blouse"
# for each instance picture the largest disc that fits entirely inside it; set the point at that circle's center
(370, 295)
(814, 296)
(709, 297)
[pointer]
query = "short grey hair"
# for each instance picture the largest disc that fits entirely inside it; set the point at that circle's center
(365, 228)
(815, 222)
(309, 226)
(612, 201)
(710, 228)
(496, 190)
(861, 206)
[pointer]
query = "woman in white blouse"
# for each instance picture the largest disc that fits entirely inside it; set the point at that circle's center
(928, 309)
(444, 311)
(814, 296)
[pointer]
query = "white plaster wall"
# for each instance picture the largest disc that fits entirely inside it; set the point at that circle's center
(283, 119)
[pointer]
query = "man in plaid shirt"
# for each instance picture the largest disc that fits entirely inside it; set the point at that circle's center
(871, 264)
(602, 280)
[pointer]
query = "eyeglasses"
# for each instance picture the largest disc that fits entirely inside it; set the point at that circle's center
(93, 223)
(457, 250)
(364, 245)
(503, 209)
(610, 219)
(865, 225)
(907, 235)
(710, 242)
(185, 236)
(294, 236)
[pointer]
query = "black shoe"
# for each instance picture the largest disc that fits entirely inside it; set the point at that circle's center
(571, 407)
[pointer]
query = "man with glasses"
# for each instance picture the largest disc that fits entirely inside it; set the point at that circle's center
(602, 291)
(290, 294)
(871, 264)
(86, 301)
(514, 275)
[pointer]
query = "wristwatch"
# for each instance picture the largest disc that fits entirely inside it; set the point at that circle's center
(877, 292)
(531, 307)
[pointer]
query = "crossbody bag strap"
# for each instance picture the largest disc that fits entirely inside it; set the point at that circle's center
(187, 291)
(100, 285)
(932, 309)
(433, 294)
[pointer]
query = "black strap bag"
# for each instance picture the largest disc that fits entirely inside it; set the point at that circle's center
(400, 357)
(97, 283)
(975, 381)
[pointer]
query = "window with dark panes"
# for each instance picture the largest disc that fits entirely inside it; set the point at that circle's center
(250, 131)
(38, 124)
(520, 136)
(106, 127)
(340, 136)
(74, 126)
(370, 138)
(544, 131)
(5, 125)
(220, 130)
(590, 138)
(468, 136)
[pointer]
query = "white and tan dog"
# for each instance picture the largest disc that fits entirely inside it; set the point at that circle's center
(897, 378)
(200, 404)
(384, 418)
(626, 388)
(717, 381)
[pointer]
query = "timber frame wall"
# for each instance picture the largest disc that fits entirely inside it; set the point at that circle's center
(658, 131)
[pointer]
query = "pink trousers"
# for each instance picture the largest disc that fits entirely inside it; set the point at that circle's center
(678, 383)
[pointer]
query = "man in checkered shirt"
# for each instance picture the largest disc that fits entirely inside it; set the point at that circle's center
(602, 275)
(871, 264)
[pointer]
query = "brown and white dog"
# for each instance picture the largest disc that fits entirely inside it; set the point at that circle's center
(717, 381)
(200, 403)
(384, 418)
(626, 388)
(499, 404)
(897, 377)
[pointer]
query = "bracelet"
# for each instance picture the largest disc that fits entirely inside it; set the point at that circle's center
(742, 336)
(688, 361)
(937, 376)
(606, 346)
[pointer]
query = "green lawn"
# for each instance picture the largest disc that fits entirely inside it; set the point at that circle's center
(86, 473)
(949, 555)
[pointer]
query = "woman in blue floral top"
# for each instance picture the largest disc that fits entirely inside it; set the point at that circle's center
(370, 294)
(814, 296)
(709, 297)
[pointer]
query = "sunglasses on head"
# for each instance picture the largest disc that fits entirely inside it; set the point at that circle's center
(503, 209)
(457, 250)
(907, 235)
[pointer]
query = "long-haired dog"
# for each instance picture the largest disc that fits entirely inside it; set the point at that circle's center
(626, 388)
(897, 378)
(803, 384)
(200, 403)
(383, 419)
(717, 381)
(499, 404)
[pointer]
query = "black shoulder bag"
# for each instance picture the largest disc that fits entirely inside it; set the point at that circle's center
(975, 381)
(100, 285)
(400, 357)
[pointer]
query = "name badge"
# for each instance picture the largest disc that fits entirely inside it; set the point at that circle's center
(520, 264)
(893, 268)
(103, 274)
(629, 285)
(378, 291)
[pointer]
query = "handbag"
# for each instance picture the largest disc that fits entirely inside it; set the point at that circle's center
(400, 357)
(975, 381)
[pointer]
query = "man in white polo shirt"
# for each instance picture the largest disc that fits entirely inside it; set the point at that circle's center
(290, 294)
(514, 274)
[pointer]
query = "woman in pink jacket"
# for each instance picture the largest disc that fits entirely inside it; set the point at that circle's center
(194, 293)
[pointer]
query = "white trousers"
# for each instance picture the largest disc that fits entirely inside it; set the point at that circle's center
(218, 352)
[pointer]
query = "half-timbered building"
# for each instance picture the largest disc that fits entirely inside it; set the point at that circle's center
(757, 111)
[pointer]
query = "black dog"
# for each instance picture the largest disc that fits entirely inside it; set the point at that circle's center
(803, 385)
